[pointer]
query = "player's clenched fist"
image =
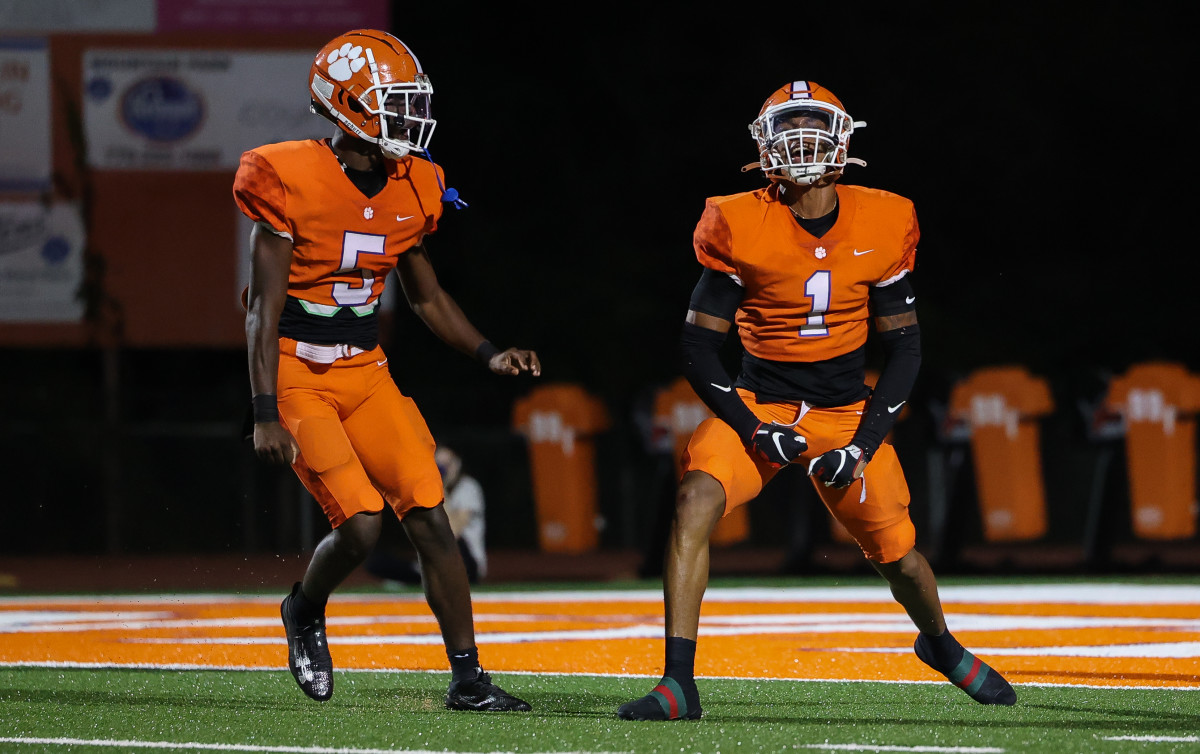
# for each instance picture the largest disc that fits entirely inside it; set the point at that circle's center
(838, 468)
(778, 444)
(515, 361)
(274, 444)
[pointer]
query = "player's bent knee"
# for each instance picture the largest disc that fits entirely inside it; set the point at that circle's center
(429, 529)
(701, 498)
(358, 534)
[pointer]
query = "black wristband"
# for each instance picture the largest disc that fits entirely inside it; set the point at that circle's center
(485, 351)
(266, 408)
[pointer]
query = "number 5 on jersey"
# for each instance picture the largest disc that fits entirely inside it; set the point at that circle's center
(354, 244)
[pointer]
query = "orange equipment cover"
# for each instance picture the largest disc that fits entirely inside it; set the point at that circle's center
(1158, 402)
(559, 421)
(677, 413)
(1001, 405)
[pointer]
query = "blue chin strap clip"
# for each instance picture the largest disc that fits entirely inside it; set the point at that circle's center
(449, 195)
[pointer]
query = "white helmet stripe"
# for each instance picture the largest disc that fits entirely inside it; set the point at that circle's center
(414, 60)
(374, 69)
(801, 90)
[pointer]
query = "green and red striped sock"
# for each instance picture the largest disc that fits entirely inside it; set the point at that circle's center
(675, 697)
(671, 699)
(981, 682)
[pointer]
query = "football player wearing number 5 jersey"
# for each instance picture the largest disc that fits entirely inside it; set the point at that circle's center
(332, 218)
(803, 267)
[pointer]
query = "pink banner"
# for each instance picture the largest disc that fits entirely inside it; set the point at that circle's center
(274, 16)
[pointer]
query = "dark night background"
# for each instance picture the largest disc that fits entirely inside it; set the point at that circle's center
(1044, 151)
(1045, 148)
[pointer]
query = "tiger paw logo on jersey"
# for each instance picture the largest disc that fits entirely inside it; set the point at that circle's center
(346, 61)
(368, 213)
(819, 252)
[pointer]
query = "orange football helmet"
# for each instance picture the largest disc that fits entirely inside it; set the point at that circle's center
(372, 86)
(803, 133)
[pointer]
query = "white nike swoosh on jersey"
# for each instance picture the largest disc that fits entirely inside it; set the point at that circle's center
(721, 387)
(909, 299)
(894, 409)
(400, 219)
(858, 253)
(381, 363)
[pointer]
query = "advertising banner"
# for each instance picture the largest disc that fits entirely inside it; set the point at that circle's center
(179, 110)
(272, 16)
(25, 153)
(76, 16)
(41, 262)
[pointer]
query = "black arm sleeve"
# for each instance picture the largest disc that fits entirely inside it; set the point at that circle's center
(700, 350)
(902, 361)
(718, 295)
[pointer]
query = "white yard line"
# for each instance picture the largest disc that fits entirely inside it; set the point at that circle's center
(548, 673)
(128, 744)
(882, 747)
(1156, 739)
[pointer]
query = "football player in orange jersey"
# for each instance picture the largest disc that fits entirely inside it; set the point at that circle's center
(331, 219)
(802, 266)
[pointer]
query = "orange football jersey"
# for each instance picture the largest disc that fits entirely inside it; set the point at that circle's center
(345, 243)
(806, 298)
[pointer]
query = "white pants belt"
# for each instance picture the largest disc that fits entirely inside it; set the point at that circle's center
(325, 354)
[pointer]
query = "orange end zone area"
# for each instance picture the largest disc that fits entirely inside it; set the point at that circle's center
(1103, 635)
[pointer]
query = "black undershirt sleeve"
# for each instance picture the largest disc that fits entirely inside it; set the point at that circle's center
(717, 295)
(700, 349)
(895, 298)
(902, 362)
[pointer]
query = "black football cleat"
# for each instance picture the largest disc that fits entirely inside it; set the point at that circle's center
(481, 695)
(668, 701)
(971, 674)
(308, 652)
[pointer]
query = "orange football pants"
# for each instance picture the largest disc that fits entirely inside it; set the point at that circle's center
(361, 441)
(874, 509)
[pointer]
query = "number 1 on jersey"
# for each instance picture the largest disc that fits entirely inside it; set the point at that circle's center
(354, 244)
(818, 289)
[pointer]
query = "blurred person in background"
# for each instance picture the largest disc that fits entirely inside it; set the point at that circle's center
(332, 218)
(464, 506)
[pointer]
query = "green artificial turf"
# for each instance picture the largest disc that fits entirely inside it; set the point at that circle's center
(259, 711)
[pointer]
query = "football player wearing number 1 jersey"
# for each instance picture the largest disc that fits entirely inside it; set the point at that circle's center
(804, 267)
(332, 218)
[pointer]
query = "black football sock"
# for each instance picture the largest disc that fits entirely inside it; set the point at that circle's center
(675, 697)
(981, 682)
(681, 659)
(464, 663)
(681, 668)
(305, 610)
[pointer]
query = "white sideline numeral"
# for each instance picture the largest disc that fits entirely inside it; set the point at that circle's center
(354, 244)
